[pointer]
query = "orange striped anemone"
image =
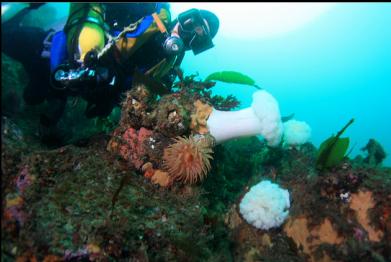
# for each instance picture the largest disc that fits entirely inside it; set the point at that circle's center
(187, 160)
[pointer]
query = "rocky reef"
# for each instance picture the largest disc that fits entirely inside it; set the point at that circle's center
(167, 137)
(155, 187)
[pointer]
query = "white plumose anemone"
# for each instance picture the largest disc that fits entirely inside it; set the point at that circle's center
(265, 205)
(296, 132)
(262, 118)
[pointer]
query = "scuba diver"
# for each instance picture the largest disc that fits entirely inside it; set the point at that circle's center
(103, 47)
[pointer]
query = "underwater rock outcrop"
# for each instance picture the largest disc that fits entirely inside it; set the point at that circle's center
(184, 126)
(62, 205)
(91, 206)
(376, 153)
(338, 214)
(13, 80)
(80, 202)
(168, 133)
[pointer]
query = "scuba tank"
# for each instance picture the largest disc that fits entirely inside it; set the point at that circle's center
(9, 10)
(83, 35)
(85, 29)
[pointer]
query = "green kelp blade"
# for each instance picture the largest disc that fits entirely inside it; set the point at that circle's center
(232, 77)
(332, 151)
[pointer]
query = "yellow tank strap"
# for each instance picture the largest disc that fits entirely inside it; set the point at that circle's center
(127, 46)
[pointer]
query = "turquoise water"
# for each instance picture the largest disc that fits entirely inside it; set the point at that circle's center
(332, 69)
(335, 68)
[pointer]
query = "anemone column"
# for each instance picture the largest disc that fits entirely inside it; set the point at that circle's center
(262, 118)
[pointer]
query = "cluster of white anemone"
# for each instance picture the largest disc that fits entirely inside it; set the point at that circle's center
(261, 119)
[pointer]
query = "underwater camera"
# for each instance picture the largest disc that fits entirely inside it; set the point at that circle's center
(194, 31)
(75, 78)
(65, 77)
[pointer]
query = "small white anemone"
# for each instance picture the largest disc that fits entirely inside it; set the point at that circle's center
(262, 118)
(296, 132)
(266, 205)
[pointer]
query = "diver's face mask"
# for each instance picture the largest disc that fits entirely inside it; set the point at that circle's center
(194, 31)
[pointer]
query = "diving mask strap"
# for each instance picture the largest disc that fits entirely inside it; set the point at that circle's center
(160, 24)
